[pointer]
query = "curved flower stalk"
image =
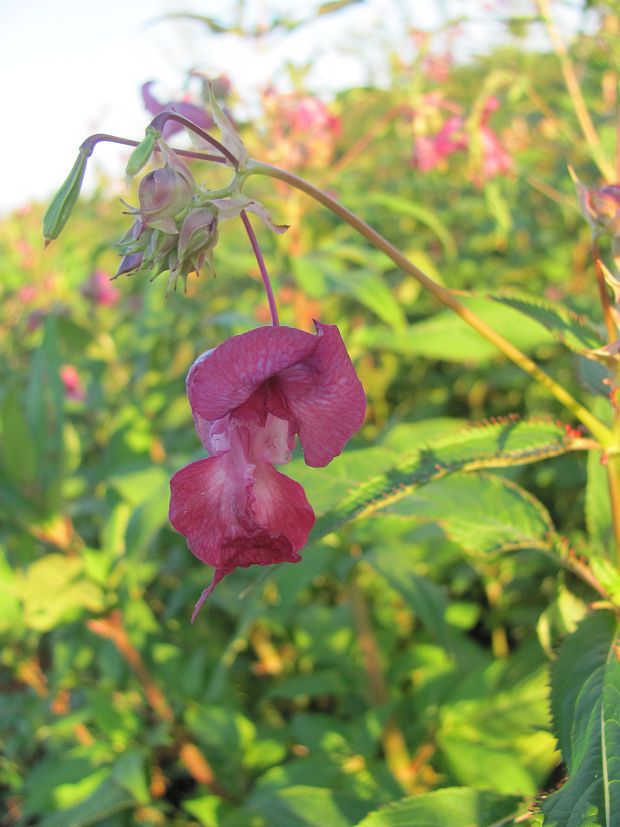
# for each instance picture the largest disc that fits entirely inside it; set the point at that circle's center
(250, 397)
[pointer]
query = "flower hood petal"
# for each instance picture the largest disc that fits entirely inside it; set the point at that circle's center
(325, 396)
(225, 377)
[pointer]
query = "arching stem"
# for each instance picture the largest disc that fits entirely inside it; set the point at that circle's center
(598, 429)
(262, 267)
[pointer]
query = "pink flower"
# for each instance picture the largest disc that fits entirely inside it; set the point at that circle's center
(74, 388)
(99, 289)
(430, 151)
(250, 396)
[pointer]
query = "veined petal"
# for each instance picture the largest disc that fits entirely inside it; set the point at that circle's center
(325, 396)
(237, 514)
(219, 382)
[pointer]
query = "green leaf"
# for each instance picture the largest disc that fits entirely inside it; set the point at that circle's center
(577, 332)
(450, 807)
(483, 513)
(585, 704)
(598, 507)
(45, 413)
(445, 336)
(493, 445)
(52, 590)
(307, 807)
(18, 449)
(107, 800)
(425, 598)
(496, 738)
(422, 214)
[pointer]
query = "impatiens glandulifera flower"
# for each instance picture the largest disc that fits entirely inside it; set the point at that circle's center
(250, 396)
(455, 136)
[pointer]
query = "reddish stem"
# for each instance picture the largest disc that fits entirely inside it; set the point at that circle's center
(91, 142)
(163, 117)
(262, 267)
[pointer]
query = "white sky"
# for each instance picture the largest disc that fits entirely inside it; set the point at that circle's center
(74, 67)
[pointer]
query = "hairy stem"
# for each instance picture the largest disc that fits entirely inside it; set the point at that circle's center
(574, 90)
(262, 267)
(598, 429)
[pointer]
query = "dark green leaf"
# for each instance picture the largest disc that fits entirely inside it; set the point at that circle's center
(494, 445)
(585, 704)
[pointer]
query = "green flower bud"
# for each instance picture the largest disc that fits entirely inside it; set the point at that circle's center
(142, 153)
(59, 210)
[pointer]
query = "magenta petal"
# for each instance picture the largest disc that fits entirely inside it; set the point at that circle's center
(325, 396)
(234, 513)
(227, 377)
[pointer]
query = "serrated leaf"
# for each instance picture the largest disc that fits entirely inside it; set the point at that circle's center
(483, 513)
(493, 445)
(577, 332)
(449, 807)
(585, 704)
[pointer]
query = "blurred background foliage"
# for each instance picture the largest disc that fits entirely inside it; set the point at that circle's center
(401, 657)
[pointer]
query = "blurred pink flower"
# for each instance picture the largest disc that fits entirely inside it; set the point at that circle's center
(454, 136)
(193, 113)
(250, 396)
(27, 294)
(74, 389)
(99, 289)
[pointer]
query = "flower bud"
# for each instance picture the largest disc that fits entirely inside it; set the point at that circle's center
(59, 210)
(163, 193)
(142, 153)
(198, 233)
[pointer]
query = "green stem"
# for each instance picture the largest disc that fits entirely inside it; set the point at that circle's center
(574, 90)
(598, 429)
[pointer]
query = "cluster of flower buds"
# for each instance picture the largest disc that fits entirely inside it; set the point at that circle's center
(172, 230)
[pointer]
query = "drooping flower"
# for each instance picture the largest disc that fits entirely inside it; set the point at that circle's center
(250, 396)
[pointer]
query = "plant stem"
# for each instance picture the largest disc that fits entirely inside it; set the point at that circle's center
(160, 120)
(574, 90)
(610, 326)
(91, 142)
(262, 267)
(394, 745)
(598, 429)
